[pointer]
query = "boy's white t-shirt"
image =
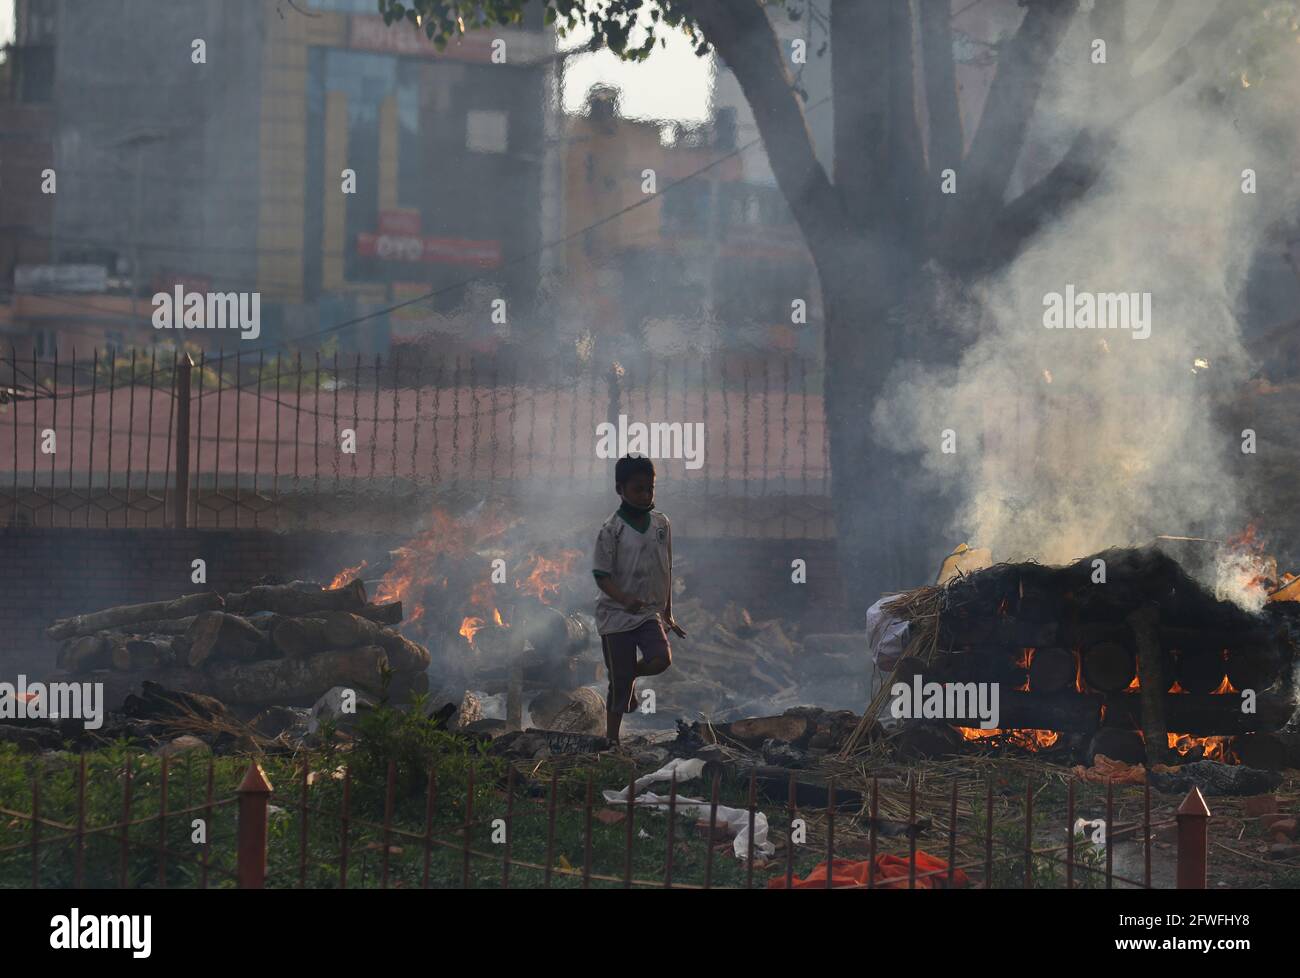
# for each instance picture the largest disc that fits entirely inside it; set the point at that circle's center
(641, 566)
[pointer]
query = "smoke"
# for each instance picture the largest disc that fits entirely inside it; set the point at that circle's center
(1059, 442)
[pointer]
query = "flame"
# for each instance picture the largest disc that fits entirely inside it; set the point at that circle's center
(1031, 740)
(1134, 684)
(1215, 748)
(547, 575)
(1176, 688)
(469, 626)
(345, 576)
(1078, 671)
(1026, 659)
(496, 618)
(1224, 687)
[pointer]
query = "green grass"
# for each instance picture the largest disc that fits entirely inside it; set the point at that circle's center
(452, 760)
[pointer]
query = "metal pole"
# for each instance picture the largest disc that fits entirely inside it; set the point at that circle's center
(181, 504)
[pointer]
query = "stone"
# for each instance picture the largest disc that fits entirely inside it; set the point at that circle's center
(182, 744)
(329, 708)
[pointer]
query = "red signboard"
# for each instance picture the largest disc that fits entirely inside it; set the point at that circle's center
(416, 248)
(368, 32)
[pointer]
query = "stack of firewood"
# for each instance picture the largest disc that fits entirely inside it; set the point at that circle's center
(278, 644)
(729, 664)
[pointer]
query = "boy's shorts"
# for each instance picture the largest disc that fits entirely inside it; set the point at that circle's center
(620, 661)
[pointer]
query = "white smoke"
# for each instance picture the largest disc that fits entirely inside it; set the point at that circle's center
(1069, 441)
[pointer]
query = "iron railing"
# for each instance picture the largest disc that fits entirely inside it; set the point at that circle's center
(159, 438)
(480, 813)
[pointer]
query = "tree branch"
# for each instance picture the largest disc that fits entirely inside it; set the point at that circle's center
(1010, 105)
(743, 37)
(946, 141)
(1078, 170)
(1152, 31)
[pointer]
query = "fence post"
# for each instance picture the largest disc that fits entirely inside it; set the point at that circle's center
(180, 506)
(253, 793)
(1193, 815)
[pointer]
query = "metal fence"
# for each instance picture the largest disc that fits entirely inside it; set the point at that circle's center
(160, 438)
(481, 811)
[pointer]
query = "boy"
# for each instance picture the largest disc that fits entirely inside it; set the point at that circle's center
(633, 567)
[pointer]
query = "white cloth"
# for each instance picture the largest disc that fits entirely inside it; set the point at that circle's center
(735, 819)
(886, 636)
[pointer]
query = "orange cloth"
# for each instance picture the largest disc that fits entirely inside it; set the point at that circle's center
(891, 874)
(1118, 772)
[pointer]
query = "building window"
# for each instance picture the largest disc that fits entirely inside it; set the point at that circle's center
(486, 131)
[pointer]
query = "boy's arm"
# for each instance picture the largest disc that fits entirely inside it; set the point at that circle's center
(606, 584)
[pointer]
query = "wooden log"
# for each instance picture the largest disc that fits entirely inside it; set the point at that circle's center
(752, 731)
(1204, 715)
(292, 682)
(388, 613)
(85, 652)
(996, 664)
(345, 630)
(1253, 667)
(1108, 667)
(403, 654)
(1025, 634)
(220, 635)
(1065, 711)
(159, 626)
(1051, 670)
(923, 740)
(288, 599)
(138, 654)
(299, 638)
(1199, 670)
(129, 614)
(1118, 745)
(1266, 751)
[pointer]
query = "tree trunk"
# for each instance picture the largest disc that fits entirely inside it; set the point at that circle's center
(893, 531)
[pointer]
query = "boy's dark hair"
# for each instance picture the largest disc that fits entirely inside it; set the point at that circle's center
(630, 465)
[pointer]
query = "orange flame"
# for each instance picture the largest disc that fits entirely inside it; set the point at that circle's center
(469, 626)
(1215, 748)
(345, 576)
(546, 576)
(1224, 687)
(1030, 740)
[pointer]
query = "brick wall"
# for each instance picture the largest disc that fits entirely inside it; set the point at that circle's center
(53, 573)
